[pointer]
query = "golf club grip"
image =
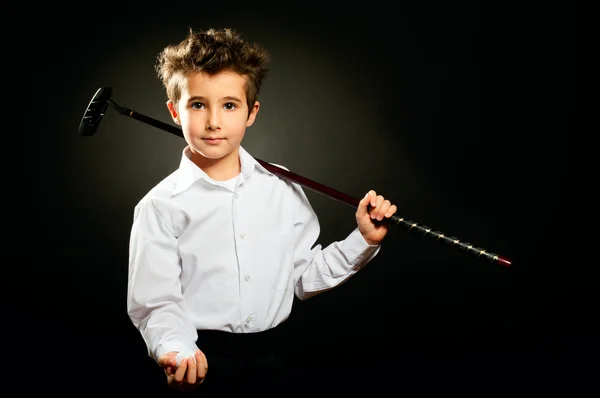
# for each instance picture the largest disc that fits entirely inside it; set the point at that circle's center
(451, 241)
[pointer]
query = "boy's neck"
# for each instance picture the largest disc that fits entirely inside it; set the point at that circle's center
(221, 169)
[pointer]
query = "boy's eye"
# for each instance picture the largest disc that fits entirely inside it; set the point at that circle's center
(230, 106)
(197, 105)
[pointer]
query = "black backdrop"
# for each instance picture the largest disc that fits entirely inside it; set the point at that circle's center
(439, 107)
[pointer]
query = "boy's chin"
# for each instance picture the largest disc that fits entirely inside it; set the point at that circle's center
(215, 154)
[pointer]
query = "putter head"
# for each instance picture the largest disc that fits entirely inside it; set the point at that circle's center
(94, 111)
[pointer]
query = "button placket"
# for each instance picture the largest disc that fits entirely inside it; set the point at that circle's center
(249, 321)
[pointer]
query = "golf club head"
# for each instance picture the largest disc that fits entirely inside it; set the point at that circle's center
(94, 111)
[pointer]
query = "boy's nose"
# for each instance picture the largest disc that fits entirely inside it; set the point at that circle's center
(213, 122)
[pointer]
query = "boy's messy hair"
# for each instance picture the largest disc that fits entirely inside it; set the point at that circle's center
(213, 51)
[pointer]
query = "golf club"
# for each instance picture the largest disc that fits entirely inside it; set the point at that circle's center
(102, 98)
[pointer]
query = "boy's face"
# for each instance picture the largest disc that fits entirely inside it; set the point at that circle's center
(213, 115)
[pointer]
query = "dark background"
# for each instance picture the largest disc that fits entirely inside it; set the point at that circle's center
(459, 113)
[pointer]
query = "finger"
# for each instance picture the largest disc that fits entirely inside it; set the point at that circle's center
(165, 361)
(363, 205)
(373, 196)
(202, 364)
(382, 209)
(191, 373)
(385, 208)
(180, 372)
(172, 363)
(391, 211)
(168, 360)
(376, 212)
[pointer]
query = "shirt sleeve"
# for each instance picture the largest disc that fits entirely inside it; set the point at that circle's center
(155, 303)
(318, 269)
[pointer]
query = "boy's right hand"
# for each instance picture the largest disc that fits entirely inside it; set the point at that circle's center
(188, 374)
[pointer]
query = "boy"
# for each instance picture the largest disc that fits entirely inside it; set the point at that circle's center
(219, 247)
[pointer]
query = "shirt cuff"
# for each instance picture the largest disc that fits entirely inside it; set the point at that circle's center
(185, 349)
(357, 250)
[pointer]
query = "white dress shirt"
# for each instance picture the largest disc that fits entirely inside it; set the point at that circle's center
(227, 255)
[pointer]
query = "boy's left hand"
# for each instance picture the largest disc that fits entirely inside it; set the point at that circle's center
(369, 221)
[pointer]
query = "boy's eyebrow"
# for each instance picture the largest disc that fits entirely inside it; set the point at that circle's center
(201, 98)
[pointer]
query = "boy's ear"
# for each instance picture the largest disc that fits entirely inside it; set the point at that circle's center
(253, 112)
(173, 111)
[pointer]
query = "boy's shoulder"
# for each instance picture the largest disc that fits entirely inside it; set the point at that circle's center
(162, 190)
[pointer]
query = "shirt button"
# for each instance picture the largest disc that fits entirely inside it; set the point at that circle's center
(247, 278)
(248, 319)
(243, 235)
(236, 195)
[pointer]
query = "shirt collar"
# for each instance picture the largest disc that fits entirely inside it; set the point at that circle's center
(188, 172)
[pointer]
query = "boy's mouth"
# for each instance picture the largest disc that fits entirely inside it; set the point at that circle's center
(212, 140)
